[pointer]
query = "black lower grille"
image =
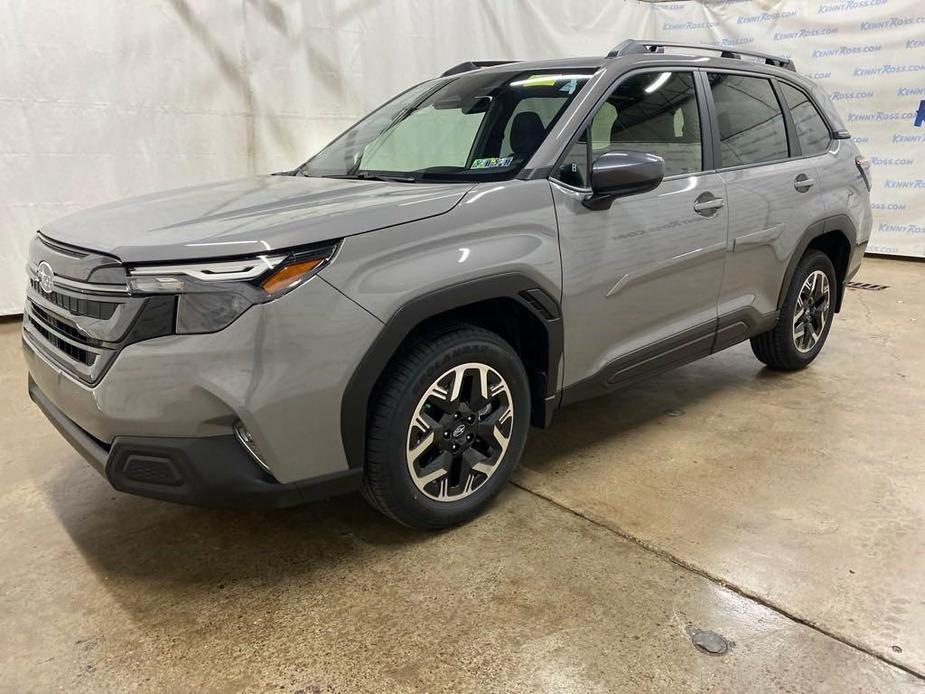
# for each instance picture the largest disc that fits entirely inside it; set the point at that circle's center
(78, 307)
(151, 470)
(76, 353)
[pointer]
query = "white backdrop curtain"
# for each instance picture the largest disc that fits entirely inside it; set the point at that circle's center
(111, 98)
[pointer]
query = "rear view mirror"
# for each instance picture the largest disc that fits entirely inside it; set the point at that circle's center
(479, 104)
(623, 173)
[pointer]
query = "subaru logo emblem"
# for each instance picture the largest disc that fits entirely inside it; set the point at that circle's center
(459, 431)
(46, 277)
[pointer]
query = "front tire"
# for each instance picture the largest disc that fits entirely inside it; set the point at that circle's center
(448, 425)
(805, 317)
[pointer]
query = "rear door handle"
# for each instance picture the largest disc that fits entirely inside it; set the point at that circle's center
(803, 183)
(707, 205)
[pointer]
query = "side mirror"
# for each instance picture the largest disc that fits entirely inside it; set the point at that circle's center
(623, 173)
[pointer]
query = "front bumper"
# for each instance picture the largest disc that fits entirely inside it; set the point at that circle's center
(281, 369)
(206, 471)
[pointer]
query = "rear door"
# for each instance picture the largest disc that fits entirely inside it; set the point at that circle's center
(773, 195)
(640, 279)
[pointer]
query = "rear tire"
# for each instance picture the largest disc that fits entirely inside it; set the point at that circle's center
(805, 317)
(447, 427)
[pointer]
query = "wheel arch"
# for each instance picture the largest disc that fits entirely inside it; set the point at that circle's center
(835, 236)
(512, 305)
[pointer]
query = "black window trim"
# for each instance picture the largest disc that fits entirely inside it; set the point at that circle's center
(708, 153)
(794, 148)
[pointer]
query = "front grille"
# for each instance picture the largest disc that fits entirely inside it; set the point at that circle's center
(78, 354)
(89, 316)
(62, 327)
(77, 306)
(79, 343)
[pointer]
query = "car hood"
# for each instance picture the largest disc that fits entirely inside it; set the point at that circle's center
(252, 215)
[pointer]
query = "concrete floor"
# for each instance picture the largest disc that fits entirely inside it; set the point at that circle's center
(784, 512)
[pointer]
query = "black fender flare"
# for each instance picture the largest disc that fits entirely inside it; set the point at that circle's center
(512, 285)
(838, 222)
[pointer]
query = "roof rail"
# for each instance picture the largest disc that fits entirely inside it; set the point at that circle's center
(470, 65)
(632, 46)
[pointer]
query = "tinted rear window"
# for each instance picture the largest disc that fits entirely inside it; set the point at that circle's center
(751, 124)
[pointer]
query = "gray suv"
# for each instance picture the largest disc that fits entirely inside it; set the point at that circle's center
(488, 246)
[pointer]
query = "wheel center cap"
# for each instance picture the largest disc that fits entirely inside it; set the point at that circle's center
(459, 431)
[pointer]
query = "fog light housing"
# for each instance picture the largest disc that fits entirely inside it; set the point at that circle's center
(245, 439)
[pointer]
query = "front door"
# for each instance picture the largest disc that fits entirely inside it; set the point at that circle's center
(640, 280)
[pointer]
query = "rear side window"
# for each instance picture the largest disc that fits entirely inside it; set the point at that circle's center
(751, 124)
(654, 112)
(811, 129)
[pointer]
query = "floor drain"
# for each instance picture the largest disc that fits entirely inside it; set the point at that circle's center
(867, 286)
(709, 642)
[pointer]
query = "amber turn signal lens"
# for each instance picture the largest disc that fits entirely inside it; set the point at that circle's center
(289, 276)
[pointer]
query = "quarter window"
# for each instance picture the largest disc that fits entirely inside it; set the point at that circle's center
(751, 124)
(811, 129)
(654, 112)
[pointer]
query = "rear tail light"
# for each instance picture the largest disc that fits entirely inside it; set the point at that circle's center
(863, 164)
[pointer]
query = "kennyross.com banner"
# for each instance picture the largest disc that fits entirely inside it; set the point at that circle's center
(869, 55)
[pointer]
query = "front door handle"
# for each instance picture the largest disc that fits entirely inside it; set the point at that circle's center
(803, 183)
(707, 205)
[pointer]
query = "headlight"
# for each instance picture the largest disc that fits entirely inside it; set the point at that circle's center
(212, 294)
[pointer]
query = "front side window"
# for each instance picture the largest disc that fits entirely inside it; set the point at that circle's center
(811, 129)
(479, 126)
(751, 124)
(655, 113)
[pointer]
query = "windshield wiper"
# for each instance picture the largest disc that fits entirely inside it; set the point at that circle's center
(367, 176)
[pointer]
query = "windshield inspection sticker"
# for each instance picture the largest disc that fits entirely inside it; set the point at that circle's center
(491, 163)
(569, 87)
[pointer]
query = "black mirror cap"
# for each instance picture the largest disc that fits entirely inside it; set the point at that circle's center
(615, 174)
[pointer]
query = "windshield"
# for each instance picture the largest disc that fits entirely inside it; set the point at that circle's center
(477, 127)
